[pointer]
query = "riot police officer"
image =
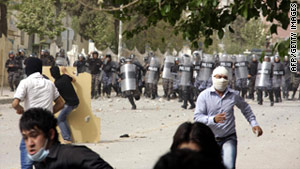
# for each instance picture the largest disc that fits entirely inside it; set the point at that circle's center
(80, 64)
(12, 69)
(94, 67)
(287, 86)
(145, 67)
(140, 71)
(296, 79)
(20, 58)
(241, 74)
(61, 59)
(129, 81)
(278, 73)
(174, 71)
(167, 76)
(252, 75)
(263, 80)
(203, 79)
(152, 76)
(226, 61)
(46, 58)
(196, 67)
(107, 75)
(186, 70)
(115, 72)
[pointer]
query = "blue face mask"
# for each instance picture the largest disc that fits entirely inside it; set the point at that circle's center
(40, 155)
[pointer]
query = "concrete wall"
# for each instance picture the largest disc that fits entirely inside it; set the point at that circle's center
(5, 47)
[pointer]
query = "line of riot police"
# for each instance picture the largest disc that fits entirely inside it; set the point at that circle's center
(185, 77)
(16, 62)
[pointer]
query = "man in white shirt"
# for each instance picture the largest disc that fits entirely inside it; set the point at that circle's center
(35, 91)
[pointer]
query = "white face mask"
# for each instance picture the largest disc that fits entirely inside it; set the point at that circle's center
(220, 84)
(40, 155)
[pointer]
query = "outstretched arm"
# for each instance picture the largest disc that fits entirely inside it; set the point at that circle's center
(249, 115)
(65, 71)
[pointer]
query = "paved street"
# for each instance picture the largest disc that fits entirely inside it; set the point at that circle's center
(153, 124)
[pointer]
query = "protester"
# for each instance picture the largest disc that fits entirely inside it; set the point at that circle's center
(35, 91)
(198, 137)
(67, 91)
(187, 159)
(38, 128)
(215, 108)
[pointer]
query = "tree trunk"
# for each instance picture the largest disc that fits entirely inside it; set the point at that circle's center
(3, 19)
(116, 41)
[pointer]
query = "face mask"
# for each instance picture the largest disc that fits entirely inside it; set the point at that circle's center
(220, 84)
(40, 155)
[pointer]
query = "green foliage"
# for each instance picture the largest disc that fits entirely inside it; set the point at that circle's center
(198, 18)
(97, 27)
(40, 17)
(93, 25)
(102, 28)
(160, 36)
(247, 35)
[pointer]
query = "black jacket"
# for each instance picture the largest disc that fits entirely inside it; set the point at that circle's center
(64, 156)
(48, 60)
(12, 62)
(94, 65)
(81, 66)
(253, 68)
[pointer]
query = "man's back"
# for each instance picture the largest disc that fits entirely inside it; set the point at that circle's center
(37, 91)
(76, 157)
(66, 90)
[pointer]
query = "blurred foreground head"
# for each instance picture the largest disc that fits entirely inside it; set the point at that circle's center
(187, 159)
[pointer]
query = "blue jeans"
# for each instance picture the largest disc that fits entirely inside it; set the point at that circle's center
(229, 150)
(26, 163)
(62, 122)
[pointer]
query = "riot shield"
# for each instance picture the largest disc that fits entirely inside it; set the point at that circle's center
(241, 67)
(169, 62)
(263, 78)
(60, 61)
(153, 71)
(206, 67)
(278, 72)
(128, 77)
(227, 62)
(196, 62)
(114, 73)
(186, 72)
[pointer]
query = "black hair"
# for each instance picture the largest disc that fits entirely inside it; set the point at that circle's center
(187, 159)
(33, 65)
(55, 73)
(200, 134)
(39, 118)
